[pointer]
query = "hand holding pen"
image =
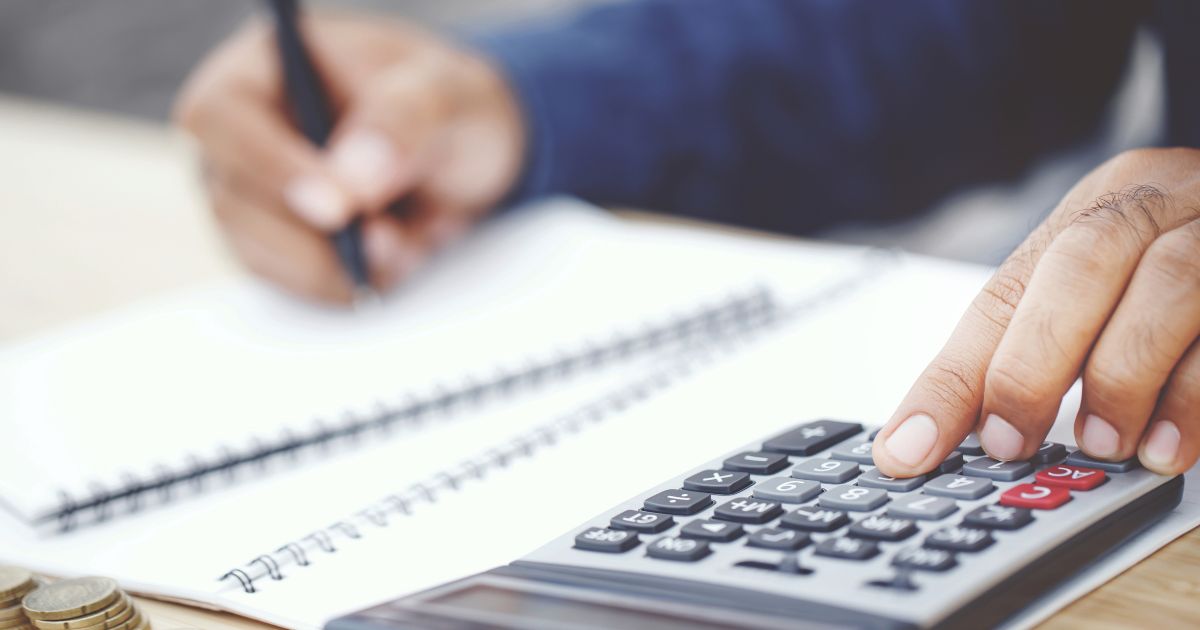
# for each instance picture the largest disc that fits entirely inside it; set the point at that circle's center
(406, 116)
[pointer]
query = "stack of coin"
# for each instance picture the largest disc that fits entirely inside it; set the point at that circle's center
(90, 603)
(14, 584)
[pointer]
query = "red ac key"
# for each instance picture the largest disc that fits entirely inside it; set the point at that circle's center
(1033, 496)
(1071, 477)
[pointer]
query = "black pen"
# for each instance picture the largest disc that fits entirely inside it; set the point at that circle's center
(315, 117)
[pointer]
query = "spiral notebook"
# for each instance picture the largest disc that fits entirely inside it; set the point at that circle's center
(229, 448)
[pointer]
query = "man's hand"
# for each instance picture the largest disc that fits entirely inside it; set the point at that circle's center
(417, 119)
(1107, 287)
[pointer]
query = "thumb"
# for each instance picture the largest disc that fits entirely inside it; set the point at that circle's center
(383, 146)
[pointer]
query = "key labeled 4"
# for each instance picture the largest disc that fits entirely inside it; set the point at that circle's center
(1034, 496)
(1071, 477)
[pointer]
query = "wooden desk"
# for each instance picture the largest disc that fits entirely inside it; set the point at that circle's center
(95, 212)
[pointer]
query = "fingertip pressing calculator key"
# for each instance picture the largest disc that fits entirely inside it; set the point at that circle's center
(800, 530)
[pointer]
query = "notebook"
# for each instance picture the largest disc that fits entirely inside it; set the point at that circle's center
(541, 327)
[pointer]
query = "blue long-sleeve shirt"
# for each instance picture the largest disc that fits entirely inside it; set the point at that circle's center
(795, 114)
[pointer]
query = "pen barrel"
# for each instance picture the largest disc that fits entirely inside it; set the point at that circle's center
(311, 108)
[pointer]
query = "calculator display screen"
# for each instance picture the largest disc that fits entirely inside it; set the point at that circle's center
(540, 606)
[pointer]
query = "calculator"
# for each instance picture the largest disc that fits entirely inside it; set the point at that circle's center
(800, 530)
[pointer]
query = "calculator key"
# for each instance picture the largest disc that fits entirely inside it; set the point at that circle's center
(787, 490)
(998, 517)
(847, 548)
(1033, 496)
(959, 486)
(996, 469)
(853, 498)
(814, 519)
(826, 470)
(860, 453)
(1049, 453)
(712, 530)
(883, 528)
(1071, 477)
(789, 563)
(923, 559)
(959, 538)
(748, 511)
(1079, 459)
(953, 462)
(677, 502)
(875, 479)
(780, 539)
(680, 549)
(605, 539)
(640, 521)
(717, 481)
(812, 437)
(920, 506)
(756, 463)
(874, 432)
(970, 446)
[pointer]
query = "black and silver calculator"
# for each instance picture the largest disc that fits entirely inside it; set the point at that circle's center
(801, 530)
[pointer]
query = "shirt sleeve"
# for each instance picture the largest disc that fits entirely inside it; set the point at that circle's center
(795, 114)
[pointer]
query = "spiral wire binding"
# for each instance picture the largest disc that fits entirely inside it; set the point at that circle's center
(763, 314)
(708, 321)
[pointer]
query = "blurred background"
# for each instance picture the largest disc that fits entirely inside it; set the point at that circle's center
(128, 57)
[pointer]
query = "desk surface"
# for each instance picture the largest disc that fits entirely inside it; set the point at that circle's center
(98, 212)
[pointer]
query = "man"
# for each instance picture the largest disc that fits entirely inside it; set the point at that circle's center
(780, 114)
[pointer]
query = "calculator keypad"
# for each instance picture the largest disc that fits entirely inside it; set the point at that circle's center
(810, 501)
(1079, 459)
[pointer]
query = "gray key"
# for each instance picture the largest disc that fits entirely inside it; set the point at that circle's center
(875, 479)
(787, 490)
(953, 462)
(826, 470)
(998, 470)
(1049, 453)
(959, 486)
(1079, 459)
(853, 498)
(920, 506)
(860, 453)
(678, 549)
(605, 539)
(970, 446)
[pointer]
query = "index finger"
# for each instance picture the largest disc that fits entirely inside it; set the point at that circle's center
(944, 404)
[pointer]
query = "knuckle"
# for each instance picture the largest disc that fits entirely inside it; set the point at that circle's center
(1011, 382)
(999, 298)
(953, 382)
(1175, 256)
(1111, 380)
(1129, 215)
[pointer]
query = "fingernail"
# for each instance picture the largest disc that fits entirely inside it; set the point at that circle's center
(1099, 437)
(1000, 439)
(1163, 444)
(365, 163)
(317, 201)
(913, 439)
(390, 252)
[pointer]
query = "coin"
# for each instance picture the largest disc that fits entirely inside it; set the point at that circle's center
(119, 611)
(71, 598)
(14, 582)
(15, 612)
(131, 624)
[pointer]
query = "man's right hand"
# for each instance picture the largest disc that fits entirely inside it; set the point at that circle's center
(417, 119)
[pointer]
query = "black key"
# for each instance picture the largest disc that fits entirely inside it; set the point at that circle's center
(781, 539)
(959, 538)
(604, 539)
(923, 559)
(995, 469)
(788, 564)
(757, 463)
(677, 502)
(1079, 459)
(883, 528)
(812, 437)
(970, 446)
(953, 462)
(998, 517)
(712, 530)
(717, 481)
(749, 510)
(847, 548)
(640, 521)
(814, 519)
(1049, 453)
(680, 549)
